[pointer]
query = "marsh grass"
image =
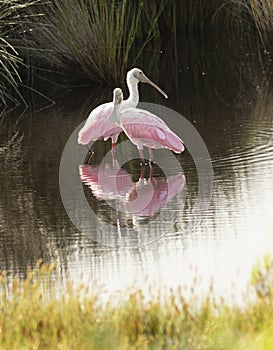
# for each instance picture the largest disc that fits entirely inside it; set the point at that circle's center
(100, 40)
(261, 13)
(13, 21)
(93, 40)
(199, 15)
(79, 41)
(9, 60)
(202, 16)
(36, 313)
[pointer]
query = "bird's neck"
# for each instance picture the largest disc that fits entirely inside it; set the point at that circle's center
(133, 92)
(115, 115)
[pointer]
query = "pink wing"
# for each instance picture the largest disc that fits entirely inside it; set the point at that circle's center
(98, 126)
(150, 130)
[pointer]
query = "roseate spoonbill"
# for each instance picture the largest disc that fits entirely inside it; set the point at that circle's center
(98, 126)
(144, 128)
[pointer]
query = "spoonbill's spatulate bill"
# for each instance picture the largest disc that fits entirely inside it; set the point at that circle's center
(98, 126)
(144, 128)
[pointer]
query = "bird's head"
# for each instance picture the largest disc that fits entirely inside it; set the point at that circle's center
(139, 75)
(136, 75)
(117, 99)
(117, 96)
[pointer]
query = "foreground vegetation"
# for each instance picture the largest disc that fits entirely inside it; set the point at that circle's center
(35, 314)
(99, 40)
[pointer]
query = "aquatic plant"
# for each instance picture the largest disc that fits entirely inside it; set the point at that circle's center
(39, 312)
(100, 40)
(261, 13)
(78, 41)
(199, 15)
(202, 16)
(13, 20)
(93, 40)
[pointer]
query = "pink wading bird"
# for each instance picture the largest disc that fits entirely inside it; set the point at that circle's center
(98, 126)
(144, 128)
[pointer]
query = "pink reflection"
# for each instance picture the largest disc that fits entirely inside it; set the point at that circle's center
(106, 181)
(148, 196)
(142, 198)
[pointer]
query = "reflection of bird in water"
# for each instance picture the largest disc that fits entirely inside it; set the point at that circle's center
(142, 198)
(107, 181)
(146, 197)
(97, 126)
(144, 128)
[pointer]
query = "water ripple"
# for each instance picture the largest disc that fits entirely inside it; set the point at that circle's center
(237, 158)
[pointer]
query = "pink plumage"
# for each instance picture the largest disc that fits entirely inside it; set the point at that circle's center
(98, 126)
(144, 128)
(152, 135)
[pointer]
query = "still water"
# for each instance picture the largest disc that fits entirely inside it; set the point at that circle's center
(207, 210)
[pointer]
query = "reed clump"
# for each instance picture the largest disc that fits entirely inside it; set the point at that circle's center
(201, 15)
(36, 313)
(13, 17)
(93, 40)
(261, 13)
(100, 40)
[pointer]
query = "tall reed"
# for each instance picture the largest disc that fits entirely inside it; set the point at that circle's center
(13, 21)
(201, 16)
(261, 12)
(93, 40)
(99, 40)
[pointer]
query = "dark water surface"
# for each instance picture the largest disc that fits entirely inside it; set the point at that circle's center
(225, 92)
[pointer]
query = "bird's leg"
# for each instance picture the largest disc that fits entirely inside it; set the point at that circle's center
(151, 173)
(90, 149)
(89, 155)
(114, 139)
(114, 158)
(142, 160)
(142, 172)
(151, 156)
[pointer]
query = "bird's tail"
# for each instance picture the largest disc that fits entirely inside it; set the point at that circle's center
(174, 142)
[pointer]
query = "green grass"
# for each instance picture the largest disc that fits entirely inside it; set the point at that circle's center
(99, 40)
(261, 13)
(39, 314)
(202, 15)
(9, 59)
(93, 40)
(14, 20)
